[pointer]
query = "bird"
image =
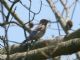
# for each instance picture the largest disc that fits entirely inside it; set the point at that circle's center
(38, 32)
(68, 26)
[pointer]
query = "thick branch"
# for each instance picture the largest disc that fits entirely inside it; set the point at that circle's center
(63, 48)
(58, 16)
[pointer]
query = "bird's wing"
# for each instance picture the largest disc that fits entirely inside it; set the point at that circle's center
(37, 32)
(40, 27)
(33, 33)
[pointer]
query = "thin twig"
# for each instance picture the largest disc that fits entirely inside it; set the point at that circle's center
(74, 10)
(30, 10)
(58, 29)
(2, 11)
(11, 19)
(7, 18)
(66, 8)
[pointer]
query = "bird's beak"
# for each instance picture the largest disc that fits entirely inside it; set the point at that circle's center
(49, 21)
(52, 21)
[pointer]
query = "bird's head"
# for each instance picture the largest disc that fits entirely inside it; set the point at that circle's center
(69, 24)
(44, 21)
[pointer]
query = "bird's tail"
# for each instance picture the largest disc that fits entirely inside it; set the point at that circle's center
(25, 41)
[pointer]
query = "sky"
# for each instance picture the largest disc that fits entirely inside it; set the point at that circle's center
(16, 33)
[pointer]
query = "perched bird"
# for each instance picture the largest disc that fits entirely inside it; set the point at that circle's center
(69, 25)
(38, 32)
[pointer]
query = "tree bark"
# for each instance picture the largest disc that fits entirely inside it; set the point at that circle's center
(63, 48)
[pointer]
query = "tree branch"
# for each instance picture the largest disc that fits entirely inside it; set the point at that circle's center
(58, 16)
(63, 48)
(14, 15)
